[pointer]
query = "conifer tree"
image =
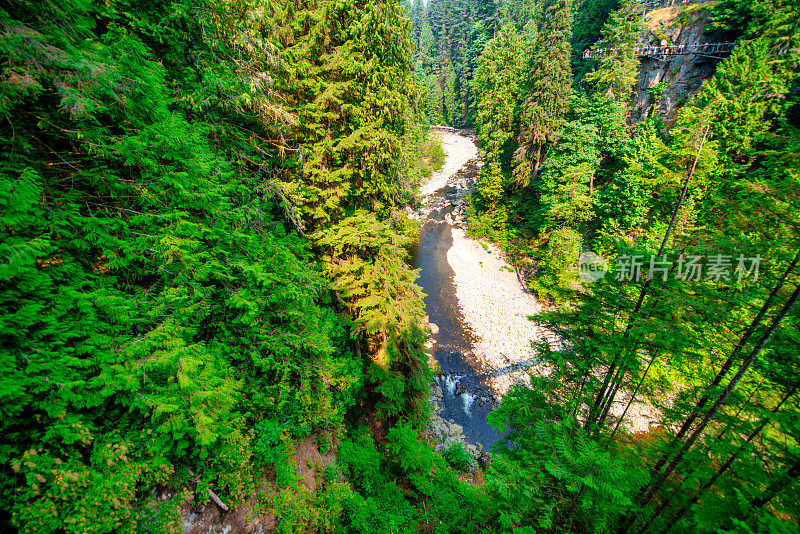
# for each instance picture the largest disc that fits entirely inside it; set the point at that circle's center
(347, 90)
(155, 305)
(416, 16)
(495, 85)
(618, 70)
(365, 258)
(548, 87)
(449, 100)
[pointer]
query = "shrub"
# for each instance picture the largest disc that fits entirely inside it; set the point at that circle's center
(269, 449)
(457, 457)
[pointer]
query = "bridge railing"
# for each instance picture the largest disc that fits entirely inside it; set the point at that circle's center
(709, 49)
(655, 4)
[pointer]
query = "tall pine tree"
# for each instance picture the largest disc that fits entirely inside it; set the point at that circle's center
(549, 85)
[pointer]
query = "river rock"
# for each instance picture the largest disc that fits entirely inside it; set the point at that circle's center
(455, 429)
(434, 328)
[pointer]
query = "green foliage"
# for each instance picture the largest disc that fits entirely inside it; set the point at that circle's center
(366, 263)
(323, 443)
(270, 449)
(296, 509)
(590, 18)
(495, 85)
(449, 98)
(154, 279)
(567, 176)
(65, 493)
(621, 339)
(433, 100)
(202, 247)
(423, 153)
(457, 457)
(437, 156)
(656, 91)
(454, 506)
(557, 264)
(551, 474)
(547, 90)
(379, 506)
(617, 72)
(347, 92)
(449, 36)
(626, 199)
(347, 82)
(414, 456)
(268, 446)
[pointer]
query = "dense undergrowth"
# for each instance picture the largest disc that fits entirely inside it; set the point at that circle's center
(204, 265)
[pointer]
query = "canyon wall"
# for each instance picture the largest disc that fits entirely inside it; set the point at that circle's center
(682, 75)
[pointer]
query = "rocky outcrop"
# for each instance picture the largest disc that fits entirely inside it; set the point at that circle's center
(682, 75)
(445, 432)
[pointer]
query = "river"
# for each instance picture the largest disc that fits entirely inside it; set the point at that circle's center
(472, 296)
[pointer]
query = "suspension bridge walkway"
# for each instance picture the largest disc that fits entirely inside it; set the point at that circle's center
(712, 50)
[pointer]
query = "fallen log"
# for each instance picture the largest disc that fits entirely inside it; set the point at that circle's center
(214, 496)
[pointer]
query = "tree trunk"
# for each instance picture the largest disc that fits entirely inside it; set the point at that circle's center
(727, 391)
(633, 396)
(615, 385)
(724, 467)
(643, 292)
(741, 408)
(727, 365)
(536, 163)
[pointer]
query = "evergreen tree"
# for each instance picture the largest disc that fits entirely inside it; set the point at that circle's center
(547, 92)
(155, 305)
(416, 16)
(496, 82)
(449, 100)
(618, 70)
(590, 18)
(365, 259)
(347, 91)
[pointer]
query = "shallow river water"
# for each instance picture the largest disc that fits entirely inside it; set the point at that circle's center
(467, 399)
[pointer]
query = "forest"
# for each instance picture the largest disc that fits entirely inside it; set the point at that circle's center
(209, 302)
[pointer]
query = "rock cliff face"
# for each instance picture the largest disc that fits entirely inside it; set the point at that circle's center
(682, 75)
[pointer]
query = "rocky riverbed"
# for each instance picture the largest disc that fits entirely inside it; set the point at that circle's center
(477, 309)
(493, 303)
(496, 308)
(446, 432)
